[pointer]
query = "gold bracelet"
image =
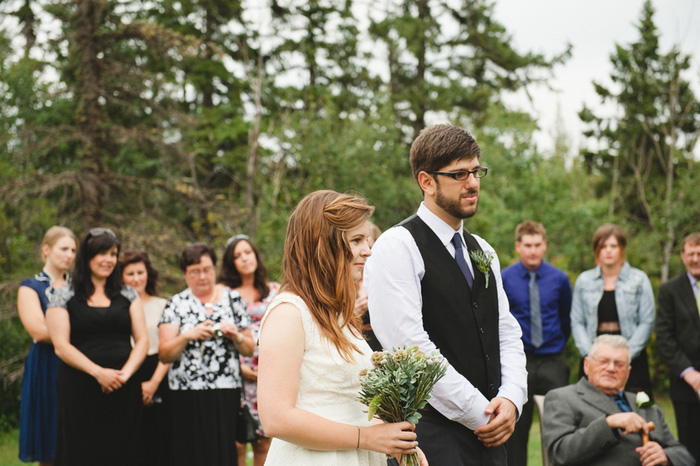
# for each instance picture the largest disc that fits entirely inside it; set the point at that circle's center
(358, 438)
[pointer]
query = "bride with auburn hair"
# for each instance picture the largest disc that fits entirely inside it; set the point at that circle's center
(311, 345)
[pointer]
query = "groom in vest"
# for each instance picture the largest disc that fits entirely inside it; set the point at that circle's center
(432, 284)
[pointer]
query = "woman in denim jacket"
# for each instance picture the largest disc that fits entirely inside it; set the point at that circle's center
(614, 298)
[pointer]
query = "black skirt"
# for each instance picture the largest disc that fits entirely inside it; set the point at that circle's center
(204, 427)
(157, 428)
(96, 427)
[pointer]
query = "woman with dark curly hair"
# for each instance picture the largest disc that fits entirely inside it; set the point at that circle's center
(91, 324)
(243, 270)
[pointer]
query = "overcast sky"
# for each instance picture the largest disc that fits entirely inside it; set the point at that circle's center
(592, 27)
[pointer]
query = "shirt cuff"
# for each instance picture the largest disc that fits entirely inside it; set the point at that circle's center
(515, 396)
(691, 368)
(475, 417)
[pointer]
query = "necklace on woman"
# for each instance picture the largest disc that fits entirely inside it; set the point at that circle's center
(208, 303)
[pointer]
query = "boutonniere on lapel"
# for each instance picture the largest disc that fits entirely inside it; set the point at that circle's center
(643, 400)
(483, 262)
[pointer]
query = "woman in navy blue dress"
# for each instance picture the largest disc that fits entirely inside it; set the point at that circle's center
(91, 324)
(37, 431)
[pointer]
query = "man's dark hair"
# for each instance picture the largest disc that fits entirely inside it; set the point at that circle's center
(529, 227)
(193, 255)
(439, 145)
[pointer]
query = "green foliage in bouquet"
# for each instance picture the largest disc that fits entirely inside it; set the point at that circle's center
(400, 383)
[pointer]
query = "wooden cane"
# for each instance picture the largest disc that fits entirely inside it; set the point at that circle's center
(645, 436)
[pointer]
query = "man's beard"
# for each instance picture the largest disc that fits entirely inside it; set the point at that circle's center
(454, 207)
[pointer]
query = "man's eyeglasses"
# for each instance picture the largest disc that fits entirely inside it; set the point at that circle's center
(94, 232)
(619, 365)
(463, 175)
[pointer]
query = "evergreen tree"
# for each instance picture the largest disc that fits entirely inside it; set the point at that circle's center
(646, 147)
(452, 57)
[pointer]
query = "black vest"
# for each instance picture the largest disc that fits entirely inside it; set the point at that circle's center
(462, 322)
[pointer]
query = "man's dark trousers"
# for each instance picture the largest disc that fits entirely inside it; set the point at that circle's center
(544, 372)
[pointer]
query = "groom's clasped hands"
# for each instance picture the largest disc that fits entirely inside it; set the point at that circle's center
(501, 425)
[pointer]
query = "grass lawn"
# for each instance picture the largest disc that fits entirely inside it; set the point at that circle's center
(9, 449)
(8, 440)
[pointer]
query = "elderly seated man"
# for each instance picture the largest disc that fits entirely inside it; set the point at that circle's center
(595, 423)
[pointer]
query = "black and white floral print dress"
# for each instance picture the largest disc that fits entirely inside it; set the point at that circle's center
(205, 382)
(208, 364)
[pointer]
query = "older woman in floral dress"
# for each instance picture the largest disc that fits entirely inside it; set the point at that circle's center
(202, 332)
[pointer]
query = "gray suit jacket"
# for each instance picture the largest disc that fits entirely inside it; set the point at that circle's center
(576, 433)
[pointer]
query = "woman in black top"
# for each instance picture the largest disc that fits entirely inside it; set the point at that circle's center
(91, 325)
(614, 298)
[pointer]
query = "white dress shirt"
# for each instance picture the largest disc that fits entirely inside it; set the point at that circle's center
(392, 279)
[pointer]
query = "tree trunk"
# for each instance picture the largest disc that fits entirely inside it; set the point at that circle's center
(613, 189)
(420, 107)
(208, 86)
(670, 172)
(89, 114)
(28, 19)
(253, 156)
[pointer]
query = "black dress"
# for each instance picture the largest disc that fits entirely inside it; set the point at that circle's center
(96, 427)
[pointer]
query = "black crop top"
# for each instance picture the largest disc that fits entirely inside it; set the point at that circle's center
(607, 309)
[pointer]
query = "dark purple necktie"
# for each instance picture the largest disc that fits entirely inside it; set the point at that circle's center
(459, 257)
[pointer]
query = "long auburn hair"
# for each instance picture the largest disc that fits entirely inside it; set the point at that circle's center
(318, 260)
(232, 278)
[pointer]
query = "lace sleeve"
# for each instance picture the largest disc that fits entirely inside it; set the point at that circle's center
(61, 296)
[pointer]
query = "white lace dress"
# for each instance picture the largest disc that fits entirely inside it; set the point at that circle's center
(328, 386)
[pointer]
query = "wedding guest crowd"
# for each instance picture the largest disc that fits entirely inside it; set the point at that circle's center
(118, 375)
(95, 381)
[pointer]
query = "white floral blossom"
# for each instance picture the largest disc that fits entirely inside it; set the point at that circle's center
(643, 400)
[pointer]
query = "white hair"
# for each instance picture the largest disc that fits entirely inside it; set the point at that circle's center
(616, 341)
